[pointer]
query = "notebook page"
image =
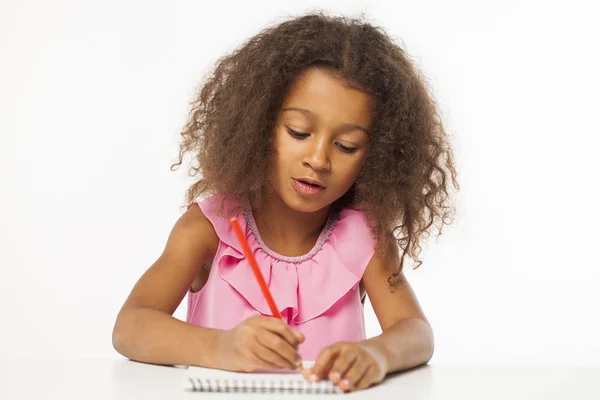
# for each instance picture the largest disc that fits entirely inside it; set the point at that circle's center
(266, 380)
(276, 374)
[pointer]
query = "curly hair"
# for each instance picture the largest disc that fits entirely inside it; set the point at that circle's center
(403, 187)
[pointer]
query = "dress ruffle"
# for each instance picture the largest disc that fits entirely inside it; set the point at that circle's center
(302, 290)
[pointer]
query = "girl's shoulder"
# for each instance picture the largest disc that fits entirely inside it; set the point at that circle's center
(218, 206)
(353, 222)
(352, 238)
(218, 210)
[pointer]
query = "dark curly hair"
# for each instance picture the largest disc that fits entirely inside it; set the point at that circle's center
(403, 187)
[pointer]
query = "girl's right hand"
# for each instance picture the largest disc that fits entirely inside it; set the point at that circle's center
(259, 342)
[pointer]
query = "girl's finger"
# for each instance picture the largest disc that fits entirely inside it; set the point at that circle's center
(342, 364)
(279, 327)
(366, 380)
(354, 374)
(286, 354)
(323, 363)
(267, 358)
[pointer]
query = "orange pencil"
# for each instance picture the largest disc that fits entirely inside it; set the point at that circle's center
(254, 265)
(261, 281)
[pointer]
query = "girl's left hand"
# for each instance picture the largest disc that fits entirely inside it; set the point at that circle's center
(351, 365)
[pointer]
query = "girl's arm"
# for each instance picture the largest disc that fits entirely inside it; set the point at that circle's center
(145, 329)
(406, 340)
(407, 337)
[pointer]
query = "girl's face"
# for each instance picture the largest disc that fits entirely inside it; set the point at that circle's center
(321, 138)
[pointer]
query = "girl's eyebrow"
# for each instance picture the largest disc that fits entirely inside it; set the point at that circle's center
(345, 127)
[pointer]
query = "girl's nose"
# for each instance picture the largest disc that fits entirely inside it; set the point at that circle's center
(318, 157)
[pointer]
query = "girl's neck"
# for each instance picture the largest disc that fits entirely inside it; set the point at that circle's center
(287, 231)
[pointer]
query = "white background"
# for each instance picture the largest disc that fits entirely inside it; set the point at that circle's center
(93, 95)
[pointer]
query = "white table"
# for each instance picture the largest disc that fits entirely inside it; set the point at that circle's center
(88, 379)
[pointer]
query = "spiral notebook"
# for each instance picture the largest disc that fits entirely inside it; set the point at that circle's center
(198, 379)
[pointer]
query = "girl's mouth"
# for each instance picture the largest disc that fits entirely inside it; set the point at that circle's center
(306, 188)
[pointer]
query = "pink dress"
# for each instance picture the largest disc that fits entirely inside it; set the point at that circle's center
(317, 293)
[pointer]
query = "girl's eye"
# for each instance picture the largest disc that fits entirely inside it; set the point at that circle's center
(346, 149)
(301, 135)
(297, 135)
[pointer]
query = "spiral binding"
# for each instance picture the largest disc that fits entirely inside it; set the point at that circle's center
(262, 386)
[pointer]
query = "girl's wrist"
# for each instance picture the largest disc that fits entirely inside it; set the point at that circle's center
(380, 353)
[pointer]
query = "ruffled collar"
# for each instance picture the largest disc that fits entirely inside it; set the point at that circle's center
(323, 236)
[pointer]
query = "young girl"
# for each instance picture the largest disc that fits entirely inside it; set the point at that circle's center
(320, 137)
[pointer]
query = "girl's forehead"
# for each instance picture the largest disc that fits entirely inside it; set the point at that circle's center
(319, 94)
